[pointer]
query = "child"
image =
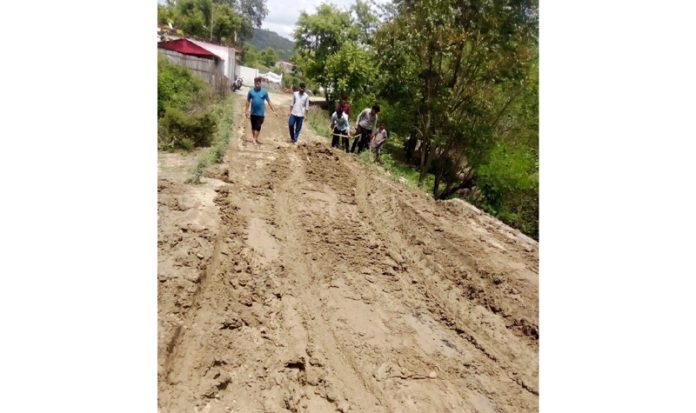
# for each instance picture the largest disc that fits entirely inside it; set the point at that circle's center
(378, 141)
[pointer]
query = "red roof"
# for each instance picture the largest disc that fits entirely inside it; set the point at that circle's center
(187, 47)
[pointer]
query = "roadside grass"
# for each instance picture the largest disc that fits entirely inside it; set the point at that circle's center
(224, 111)
(319, 121)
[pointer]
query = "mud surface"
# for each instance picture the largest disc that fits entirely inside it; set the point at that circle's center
(302, 280)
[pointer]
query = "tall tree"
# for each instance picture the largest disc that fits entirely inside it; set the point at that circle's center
(460, 52)
(350, 71)
(268, 57)
(204, 19)
(254, 10)
(317, 37)
(366, 21)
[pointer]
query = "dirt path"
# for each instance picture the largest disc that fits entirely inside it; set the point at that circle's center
(314, 284)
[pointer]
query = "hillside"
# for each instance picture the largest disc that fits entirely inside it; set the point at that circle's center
(265, 38)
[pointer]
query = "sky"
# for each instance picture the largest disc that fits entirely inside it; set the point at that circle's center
(282, 14)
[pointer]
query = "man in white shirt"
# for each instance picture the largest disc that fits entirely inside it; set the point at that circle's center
(367, 120)
(298, 109)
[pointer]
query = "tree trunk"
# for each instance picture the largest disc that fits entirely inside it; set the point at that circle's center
(426, 160)
(411, 147)
(436, 184)
(448, 192)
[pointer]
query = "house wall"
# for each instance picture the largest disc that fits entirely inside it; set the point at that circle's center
(227, 54)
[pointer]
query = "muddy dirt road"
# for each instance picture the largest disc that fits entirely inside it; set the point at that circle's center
(297, 279)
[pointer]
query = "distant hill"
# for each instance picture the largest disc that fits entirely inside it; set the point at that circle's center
(265, 38)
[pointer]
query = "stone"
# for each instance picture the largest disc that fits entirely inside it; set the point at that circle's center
(343, 407)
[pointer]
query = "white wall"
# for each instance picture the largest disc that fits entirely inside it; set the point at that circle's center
(248, 74)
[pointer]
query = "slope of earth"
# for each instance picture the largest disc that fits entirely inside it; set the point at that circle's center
(306, 281)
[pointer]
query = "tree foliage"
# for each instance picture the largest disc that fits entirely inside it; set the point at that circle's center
(350, 71)
(268, 57)
(366, 21)
(221, 21)
(467, 66)
(319, 36)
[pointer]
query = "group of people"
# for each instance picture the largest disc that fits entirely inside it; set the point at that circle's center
(256, 101)
(367, 133)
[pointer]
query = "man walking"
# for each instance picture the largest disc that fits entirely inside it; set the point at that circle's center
(367, 120)
(298, 108)
(257, 96)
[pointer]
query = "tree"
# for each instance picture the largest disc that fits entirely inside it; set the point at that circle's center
(365, 20)
(250, 57)
(205, 19)
(221, 21)
(268, 57)
(470, 71)
(350, 71)
(254, 10)
(455, 56)
(317, 37)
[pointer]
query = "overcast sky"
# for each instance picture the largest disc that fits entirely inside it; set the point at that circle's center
(282, 14)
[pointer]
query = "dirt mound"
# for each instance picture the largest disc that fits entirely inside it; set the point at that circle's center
(324, 286)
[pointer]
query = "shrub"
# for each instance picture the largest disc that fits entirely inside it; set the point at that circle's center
(510, 184)
(176, 87)
(181, 130)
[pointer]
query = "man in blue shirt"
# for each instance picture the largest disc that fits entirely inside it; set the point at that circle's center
(256, 97)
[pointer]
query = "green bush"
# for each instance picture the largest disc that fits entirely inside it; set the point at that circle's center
(176, 87)
(510, 183)
(184, 131)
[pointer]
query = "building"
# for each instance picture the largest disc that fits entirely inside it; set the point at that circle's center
(287, 66)
(214, 63)
(204, 64)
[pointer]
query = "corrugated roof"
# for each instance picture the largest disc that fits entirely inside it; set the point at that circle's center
(187, 47)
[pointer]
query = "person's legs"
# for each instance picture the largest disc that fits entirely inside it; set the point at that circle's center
(252, 124)
(356, 139)
(291, 127)
(364, 140)
(344, 141)
(298, 126)
(335, 138)
(256, 122)
(378, 150)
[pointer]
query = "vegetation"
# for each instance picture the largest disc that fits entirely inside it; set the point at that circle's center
(222, 21)
(224, 111)
(264, 39)
(264, 59)
(184, 119)
(457, 82)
